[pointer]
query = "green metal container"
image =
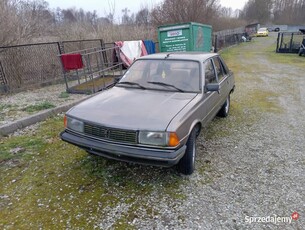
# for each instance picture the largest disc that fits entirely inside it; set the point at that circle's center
(185, 37)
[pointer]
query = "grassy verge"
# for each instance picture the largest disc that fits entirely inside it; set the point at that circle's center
(48, 183)
(291, 60)
(38, 107)
(7, 108)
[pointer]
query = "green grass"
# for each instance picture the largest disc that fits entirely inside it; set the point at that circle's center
(284, 58)
(63, 95)
(26, 145)
(7, 109)
(52, 184)
(5, 106)
(38, 107)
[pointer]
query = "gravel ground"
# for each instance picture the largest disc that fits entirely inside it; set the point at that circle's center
(250, 164)
(14, 106)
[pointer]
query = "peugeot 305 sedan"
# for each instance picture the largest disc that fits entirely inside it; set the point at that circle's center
(155, 112)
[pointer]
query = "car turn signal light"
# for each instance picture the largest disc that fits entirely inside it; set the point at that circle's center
(65, 121)
(173, 140)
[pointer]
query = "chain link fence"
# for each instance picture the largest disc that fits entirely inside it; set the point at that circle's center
(226, 38)
(26, 66)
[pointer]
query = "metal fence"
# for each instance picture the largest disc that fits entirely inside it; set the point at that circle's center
(289, 42)
(91, 70)
(26, 66)
(226, 38)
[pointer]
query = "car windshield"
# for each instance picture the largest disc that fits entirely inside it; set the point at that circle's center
(262, 29)
(171, 75)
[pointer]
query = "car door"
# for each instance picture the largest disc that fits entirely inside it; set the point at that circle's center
(210, 98)
(222, 79)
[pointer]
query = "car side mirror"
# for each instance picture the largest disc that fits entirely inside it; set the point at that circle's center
(213, 87)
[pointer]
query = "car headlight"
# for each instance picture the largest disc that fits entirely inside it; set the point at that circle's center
(74, 124)
(167, 139)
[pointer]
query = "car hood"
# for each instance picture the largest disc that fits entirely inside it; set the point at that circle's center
(134, 109)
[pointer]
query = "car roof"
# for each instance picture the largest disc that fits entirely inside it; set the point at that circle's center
(194, 56)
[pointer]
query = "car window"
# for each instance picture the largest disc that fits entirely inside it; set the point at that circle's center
(218, 68)
(183, 74)
(210, 76)
(224, 66)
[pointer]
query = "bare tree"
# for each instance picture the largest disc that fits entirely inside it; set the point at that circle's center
(289, 12)
(143, 17)
(177, 11)
(68, 15)
(23, 20)
(126, 18)
(257, 10)
(278, 11)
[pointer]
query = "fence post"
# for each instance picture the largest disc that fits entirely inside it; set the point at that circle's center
(3, 81)
(61, 47)
(277, 42)
(62, 51)
(282, 38)
(106, 63)
(291, 40)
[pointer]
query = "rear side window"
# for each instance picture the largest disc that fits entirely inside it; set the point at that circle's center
(219, 68)
(210, 76)
(224, 66)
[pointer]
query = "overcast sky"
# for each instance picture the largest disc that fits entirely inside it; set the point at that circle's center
(103, 6)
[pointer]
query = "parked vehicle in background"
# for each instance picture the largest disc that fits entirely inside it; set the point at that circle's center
(154, 114)
(262, 32)
(273, 29)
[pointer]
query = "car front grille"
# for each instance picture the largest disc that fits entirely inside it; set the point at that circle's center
(116, 135)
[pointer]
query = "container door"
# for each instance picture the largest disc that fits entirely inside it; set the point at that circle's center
(202, 38)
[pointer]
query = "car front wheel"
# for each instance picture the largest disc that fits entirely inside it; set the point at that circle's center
(186, 165)
(224, 111)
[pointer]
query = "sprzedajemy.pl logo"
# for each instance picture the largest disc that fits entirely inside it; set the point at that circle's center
(275, 219)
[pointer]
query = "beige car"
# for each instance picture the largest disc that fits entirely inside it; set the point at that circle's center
(154, 114)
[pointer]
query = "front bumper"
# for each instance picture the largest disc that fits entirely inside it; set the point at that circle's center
(135, 154)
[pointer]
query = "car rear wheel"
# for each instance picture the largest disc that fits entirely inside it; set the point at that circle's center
(186, 165)
(224, 111)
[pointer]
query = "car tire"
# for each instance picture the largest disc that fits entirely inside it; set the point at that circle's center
(186, 164)
(224, 111)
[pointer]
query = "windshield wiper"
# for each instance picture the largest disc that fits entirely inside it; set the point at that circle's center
(165, 84)
(131, 83)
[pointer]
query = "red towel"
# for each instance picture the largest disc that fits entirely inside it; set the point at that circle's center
(72, 61)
